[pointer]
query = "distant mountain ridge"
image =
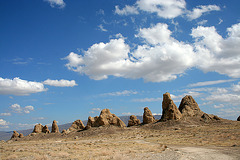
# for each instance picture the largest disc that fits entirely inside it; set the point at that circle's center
(7, 135)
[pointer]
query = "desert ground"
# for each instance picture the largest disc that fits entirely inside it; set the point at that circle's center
(171, 140)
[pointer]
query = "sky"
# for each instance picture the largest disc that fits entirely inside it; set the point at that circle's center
(68, 59)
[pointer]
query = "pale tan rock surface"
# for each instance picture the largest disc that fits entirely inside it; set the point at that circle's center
(147, 116)
(77, 125)
(38, 128)
(45, 129)
(105, 118)
(15, 135)
(55, 128)
(189, 107)
(169, 109)
(133, 121)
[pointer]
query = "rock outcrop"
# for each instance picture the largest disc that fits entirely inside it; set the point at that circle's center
(189, 107)
(209, 117)
(45, 129)
(169, 109)
(15, 135)
(55, 128)
(77, 125)
(64, 131)
(133, 121)
(238, 119)
(147, 116)
(38, 128)
(105, 118)
(21, 135)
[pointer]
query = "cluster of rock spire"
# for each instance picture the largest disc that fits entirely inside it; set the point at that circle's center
(188, 108)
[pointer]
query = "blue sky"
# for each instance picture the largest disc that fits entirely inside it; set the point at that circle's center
(66, 60)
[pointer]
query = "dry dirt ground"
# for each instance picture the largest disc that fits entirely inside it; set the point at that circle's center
(162, 140)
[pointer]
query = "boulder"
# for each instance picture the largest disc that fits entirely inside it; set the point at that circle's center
(91, 122)
(238, 119)
(209, 117)
(21, 135)
(38, 128)
(77, 125)
(189, 107)
(105, 118)
(45, 129)
(64, 131)
(169, 109)
(15, 135)
(133, 121)
(206, 117)
(147, 116)
(55, 128)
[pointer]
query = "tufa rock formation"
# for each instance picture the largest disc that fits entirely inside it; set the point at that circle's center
(45, 129)
(21, 135)
(55, 128)
(147, 116)
(238, 119)
(189, 107)
(169, 109)
(38, 128)
(64, 131)
(77, 125)
(209, 117)
(133, 121)
(15, 135)
(105, 118)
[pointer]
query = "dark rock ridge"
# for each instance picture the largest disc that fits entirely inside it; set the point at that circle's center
(169, 109)
(105, 118)
(133, 121)
(147, 116)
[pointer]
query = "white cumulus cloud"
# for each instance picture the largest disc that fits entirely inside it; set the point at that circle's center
(163, 61)
(4, 124)
(165, 9)
(218, 54)
(127, 10)
(197, 12)
(162, 57)
(18, 109)
(56, 3)
(60, 83)
(20, 87)
(156, 34)
(236, 88)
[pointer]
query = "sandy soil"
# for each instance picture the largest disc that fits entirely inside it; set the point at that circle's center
(184, 141)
